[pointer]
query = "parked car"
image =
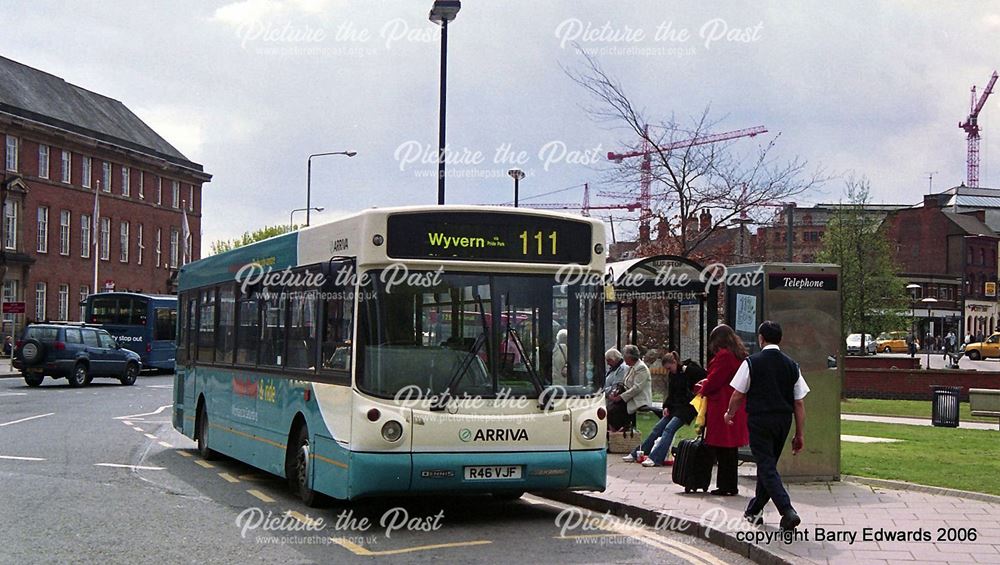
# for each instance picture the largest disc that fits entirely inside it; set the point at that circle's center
(893, 342)
(854, 344)
(990, 347)
(75, 352)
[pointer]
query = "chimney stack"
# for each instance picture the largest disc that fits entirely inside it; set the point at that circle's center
(705, 221)
(662, 229)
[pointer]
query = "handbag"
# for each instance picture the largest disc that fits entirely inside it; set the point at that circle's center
(623, 442)
(700, 404)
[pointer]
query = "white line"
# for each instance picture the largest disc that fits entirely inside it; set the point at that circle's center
(132, 467)
(127, 423)
(159, 386)
(150, 436)
(154, 412)
(26, 419)
(138, 429)
(21, 458)
(13, 394)
(165, 444)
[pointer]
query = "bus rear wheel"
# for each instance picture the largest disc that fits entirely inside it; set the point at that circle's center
(297, 461)
(201, 434)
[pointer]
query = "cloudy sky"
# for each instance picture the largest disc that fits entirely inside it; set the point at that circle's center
(250, 88)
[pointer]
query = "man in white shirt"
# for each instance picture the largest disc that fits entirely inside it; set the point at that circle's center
(773, 387)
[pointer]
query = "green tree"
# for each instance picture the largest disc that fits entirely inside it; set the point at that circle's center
(247, 238)
(874, 298)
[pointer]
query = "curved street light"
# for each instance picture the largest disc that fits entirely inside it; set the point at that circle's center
(309, 168)
(292, 214)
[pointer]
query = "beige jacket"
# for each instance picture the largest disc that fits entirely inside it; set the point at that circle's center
(638, 387)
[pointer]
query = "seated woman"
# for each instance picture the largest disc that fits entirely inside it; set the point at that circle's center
(677, 412)
(637, 392)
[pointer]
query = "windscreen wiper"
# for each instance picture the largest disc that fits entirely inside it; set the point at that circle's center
(445, 397)
(536, 381)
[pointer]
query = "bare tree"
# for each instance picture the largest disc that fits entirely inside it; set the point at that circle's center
(688, 179)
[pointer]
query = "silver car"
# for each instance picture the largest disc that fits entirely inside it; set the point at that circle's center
(854, 344)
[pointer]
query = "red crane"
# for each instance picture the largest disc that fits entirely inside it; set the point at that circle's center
(971, 127)
(647, 149)
(585, 207)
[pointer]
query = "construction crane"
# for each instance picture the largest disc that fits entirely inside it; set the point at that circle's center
(645, 170)
(585, 207)
(971, 127)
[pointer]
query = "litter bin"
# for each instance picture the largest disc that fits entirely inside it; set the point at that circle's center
(944, 412)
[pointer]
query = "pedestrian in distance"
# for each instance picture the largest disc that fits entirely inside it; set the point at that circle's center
(911, 345)
(724, 438)
(772, 385)
(637, 393)
(677, 412)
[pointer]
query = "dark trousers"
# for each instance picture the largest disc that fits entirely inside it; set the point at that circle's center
(728, 459)
(768, 433)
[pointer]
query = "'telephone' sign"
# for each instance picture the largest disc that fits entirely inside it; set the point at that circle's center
(807, 281)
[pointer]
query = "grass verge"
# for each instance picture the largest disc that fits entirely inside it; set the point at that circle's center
(908, 408)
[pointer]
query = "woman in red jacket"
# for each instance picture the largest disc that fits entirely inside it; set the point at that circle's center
(727, 353)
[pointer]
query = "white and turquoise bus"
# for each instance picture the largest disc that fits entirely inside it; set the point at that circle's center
(402, 350)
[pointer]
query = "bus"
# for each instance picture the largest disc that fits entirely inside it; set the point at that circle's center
(144, 323)
(374, 355)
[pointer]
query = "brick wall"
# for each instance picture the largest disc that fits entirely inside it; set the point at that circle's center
(912, 384)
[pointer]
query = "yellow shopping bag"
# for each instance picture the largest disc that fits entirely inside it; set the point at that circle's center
(701, 405)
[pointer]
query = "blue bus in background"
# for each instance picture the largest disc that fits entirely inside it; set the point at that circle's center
(144, 323)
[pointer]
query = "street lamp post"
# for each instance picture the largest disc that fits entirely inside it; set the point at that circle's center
(309, 169)
(913, 288)
(517, 175)
(930, 304)
(443, 12)
(292, 213)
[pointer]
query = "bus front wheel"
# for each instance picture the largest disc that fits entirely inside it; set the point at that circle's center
(202, 434)
(297, 462)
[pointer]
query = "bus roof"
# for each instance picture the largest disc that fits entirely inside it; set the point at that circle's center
(349, 237)
(139, 294)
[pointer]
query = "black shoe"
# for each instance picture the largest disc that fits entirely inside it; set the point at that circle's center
(790, 520)
(756, 520)
(721, 492)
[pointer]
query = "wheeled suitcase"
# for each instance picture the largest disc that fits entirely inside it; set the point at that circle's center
(692, 465)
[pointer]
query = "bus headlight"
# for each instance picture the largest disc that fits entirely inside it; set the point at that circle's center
(588, 429)
(392, 431)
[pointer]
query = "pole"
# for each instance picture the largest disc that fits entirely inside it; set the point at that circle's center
(927, 346)
(515, 190)
(309, 174)
(441, 124)
(790, 231)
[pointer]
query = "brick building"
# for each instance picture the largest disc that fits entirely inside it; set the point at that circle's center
(953, 257)
(808, 226)
(63, 144)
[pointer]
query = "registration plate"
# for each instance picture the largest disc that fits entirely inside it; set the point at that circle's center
(492, 472)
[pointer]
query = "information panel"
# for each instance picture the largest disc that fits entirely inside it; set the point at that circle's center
(480, 236)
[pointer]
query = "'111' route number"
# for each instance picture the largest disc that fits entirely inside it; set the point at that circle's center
(539, 238)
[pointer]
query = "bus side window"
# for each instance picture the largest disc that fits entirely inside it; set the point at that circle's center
(338, 322)
(248, 328)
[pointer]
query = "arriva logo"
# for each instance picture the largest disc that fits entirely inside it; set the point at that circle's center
(493, 434)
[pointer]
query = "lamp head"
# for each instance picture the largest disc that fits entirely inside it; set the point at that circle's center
(444, 11)
(516, 174)
(350, 153)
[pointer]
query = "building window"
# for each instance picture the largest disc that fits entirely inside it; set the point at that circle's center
(142, 185)
(84, 293)
(982, 256)
(105, 239)
(106, 177)
(175, 188)
(40, 302)
(123, 242)
(970, 257)
(191, 198)
(84, 236)
(139, 246)
(174, 247)
(43, 229)
(64, 302)
(65, 218)
(11, 153)
(158, 252)
(67, 167)
(43, 161)
(10, 225)
(159, 191)
(85, 172)
(9, 295)
(126, 189)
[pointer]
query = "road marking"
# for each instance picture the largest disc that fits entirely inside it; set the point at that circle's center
(183, 453)
(165, 444)
(26, 419)
(260, 495)
(252, 477)
(15, 458)
(13, 394)
(132, 467)
(153, 413)
(138, 429)
(150, 436)
(204, 463)
(128, 423)
(159, 386)
(303, 518)
(359, 550)
(229, 477)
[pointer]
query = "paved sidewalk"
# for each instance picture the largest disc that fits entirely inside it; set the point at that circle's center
(914, 421)
(840, 508)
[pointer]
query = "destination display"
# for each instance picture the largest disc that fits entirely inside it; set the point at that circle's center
(488, 237)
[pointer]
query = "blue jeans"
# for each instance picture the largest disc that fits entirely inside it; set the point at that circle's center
(665, 430)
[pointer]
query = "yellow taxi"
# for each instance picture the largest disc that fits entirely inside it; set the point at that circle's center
(893, 342)
(983, 349)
